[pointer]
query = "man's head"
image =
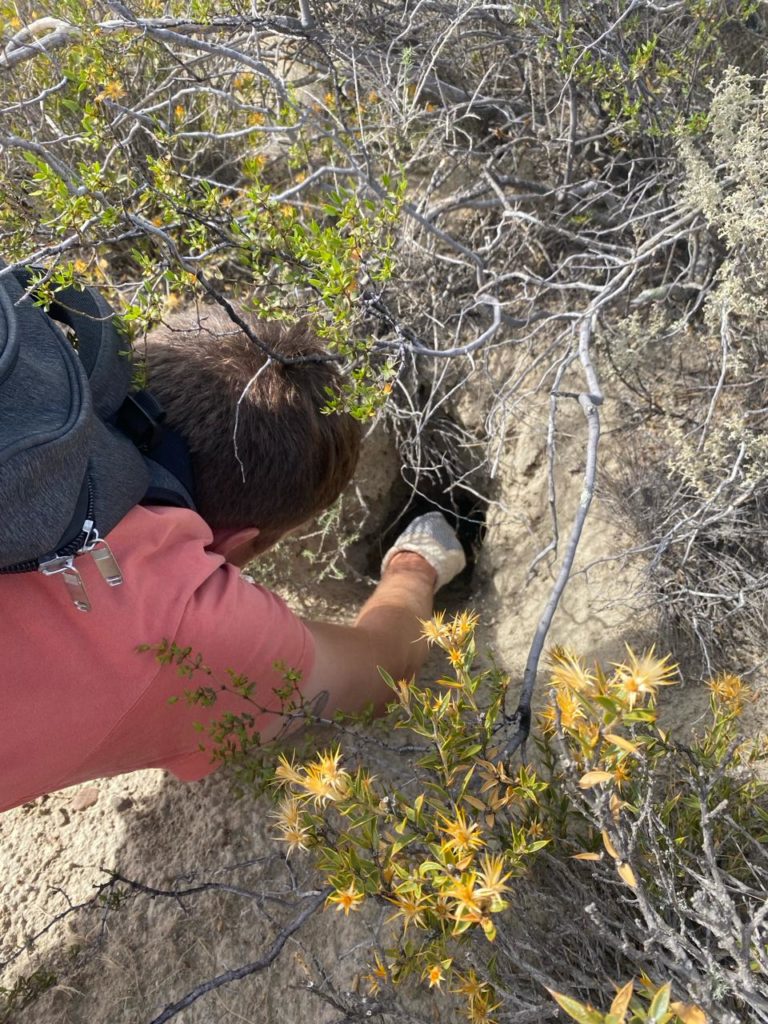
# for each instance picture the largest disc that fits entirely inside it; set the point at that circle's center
(263, 452)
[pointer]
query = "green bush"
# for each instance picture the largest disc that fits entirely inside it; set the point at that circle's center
(669, 835)
(166, 185)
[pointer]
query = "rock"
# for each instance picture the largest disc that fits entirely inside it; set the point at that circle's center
(121, 804)
(86, 797)
(63, 816)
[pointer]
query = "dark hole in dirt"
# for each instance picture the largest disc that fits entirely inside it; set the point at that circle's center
(447, 484)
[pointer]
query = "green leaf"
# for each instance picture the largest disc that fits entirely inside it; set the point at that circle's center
(577, 1011)
(660, 1004)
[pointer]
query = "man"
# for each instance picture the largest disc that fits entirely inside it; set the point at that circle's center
(80, 702)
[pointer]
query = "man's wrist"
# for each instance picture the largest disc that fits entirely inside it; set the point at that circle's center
(411, 561)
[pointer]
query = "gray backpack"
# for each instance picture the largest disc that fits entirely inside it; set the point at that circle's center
(78, 447)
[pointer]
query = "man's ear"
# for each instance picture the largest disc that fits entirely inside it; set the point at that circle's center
(237, 546)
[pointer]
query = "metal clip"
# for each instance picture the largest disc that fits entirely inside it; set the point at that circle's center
(65, 568)
(102, 555)
(106, 562)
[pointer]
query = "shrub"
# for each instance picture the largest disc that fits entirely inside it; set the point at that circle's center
(667, 837)
(625, 849)
(166, 183)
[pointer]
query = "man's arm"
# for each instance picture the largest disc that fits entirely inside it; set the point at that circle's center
(387, 631)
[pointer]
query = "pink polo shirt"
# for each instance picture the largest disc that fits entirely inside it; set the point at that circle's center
(78, 702)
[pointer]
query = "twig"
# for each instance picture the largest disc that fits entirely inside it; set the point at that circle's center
(264, 366)
(239, 973)
(551, 488)
(590, 402)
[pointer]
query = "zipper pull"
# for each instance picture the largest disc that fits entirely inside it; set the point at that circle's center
(65, 567)
(106, 562)
(101, 553)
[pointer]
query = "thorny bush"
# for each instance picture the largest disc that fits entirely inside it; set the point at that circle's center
(662, 839)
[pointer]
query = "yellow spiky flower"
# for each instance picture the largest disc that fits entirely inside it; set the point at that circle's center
(456, 657)
(570, 708)
(435, 630)
(347, 899)
(469, 906)
(731, 690)
(112, 91)
(327, 768)
(378, 974)
(479, 998)
(442, 908)
(481, 1009)
(642, 676)
(622, 772)
(463, 626)
(547, 717)
(286, 773)
(434, 974)
(463, 836)
(469, 985)
(492, 878)
(288, 813)
(298, 837)
(317, 788)
(410, 904)
(569, 671)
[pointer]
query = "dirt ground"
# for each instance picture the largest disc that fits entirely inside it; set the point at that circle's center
(124, 965)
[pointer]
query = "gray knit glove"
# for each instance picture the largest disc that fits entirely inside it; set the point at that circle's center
(432, 537)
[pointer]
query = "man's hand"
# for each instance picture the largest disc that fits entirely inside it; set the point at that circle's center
(388, 629)
(432, 537)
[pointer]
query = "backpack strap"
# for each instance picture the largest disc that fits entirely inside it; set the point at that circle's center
(165, 487)
(101, 344)
(171, 481)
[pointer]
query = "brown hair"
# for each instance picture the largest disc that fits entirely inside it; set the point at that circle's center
(287, 460)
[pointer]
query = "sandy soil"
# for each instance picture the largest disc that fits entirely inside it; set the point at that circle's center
(122, 966)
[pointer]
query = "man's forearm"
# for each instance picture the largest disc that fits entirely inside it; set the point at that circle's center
(387, 632)
(385, 635)
(394, 612)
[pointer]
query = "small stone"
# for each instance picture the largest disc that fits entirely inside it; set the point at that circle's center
(63, 816)
(86, 797)
(121, 804)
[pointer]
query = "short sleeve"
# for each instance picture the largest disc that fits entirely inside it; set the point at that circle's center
(237, 629)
